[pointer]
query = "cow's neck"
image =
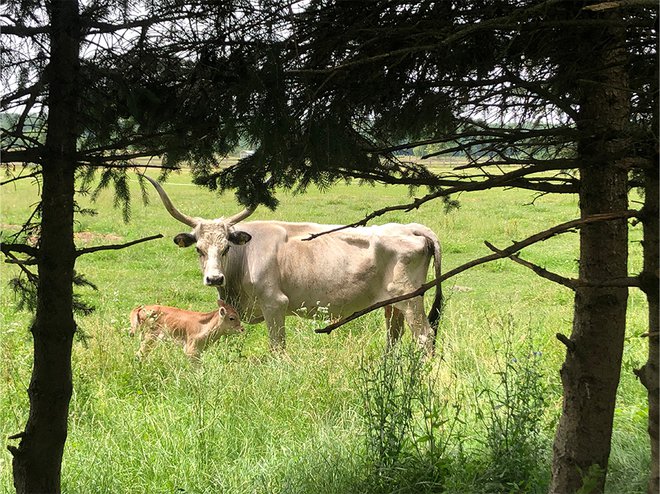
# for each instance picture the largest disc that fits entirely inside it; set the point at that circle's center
(233, 292)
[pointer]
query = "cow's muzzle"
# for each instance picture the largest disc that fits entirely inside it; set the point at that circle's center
(214, 280)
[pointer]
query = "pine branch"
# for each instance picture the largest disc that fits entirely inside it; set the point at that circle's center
(518, 20)
(561, 185)
(23, 31)
(128, 166)
(507, 252)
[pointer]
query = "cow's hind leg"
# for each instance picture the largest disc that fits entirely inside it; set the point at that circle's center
(394, 324)
(413, 312)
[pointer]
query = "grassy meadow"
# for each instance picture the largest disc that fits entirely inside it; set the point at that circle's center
(333, 415)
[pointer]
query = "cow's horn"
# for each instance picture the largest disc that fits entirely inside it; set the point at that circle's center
(240, 216)
(176, 214)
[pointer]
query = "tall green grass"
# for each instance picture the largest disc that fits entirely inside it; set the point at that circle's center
(246, 421)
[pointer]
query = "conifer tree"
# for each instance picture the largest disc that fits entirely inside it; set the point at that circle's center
(88, 87)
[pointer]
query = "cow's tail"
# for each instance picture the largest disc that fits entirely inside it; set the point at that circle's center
(436, 306)
(136, 319)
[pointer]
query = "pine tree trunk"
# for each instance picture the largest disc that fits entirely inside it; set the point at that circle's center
(648, 374)
(591, 371)
(37, 460)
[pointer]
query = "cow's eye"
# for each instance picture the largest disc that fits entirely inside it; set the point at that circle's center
(224, 251)
(199, 251)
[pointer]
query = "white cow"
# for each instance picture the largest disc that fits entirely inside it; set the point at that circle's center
(267, 270)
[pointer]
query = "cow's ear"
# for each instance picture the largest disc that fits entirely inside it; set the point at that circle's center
(238, 237)
(184, 240)
(222, 311)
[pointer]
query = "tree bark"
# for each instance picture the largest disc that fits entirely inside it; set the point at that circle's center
(37, 460)
(591, 371)
(648, 374)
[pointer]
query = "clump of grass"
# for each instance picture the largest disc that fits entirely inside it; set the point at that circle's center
(423, 435)
(408, 427)
(389, 388)
(512, 415)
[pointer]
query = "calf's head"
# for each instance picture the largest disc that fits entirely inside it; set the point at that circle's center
(212, 238)
(229, 321)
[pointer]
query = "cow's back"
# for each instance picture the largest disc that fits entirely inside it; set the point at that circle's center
(342, 271)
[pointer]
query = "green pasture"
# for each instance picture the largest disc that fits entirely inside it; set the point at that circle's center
(245, 421)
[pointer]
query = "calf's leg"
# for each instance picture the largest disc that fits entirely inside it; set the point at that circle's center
(148, 339)
(192, 349)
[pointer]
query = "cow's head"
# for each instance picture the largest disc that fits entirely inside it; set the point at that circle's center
(212, 238)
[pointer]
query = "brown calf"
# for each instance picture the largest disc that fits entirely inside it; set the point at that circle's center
(193, 329)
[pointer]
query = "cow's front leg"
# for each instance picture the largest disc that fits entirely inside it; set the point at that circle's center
(274, 309)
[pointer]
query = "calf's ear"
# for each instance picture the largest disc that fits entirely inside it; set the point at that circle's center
(184, 240)
(238, 237)
(222, 311)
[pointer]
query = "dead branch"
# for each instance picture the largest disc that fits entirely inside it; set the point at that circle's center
(22, 262)
(20, 248)
(495, 181)
(572, 283)
(542, 272)
(22, 156)
(507, 252)
(621, 4)
(20, 177)
(568, 343)
(33, 278)
(89, 250)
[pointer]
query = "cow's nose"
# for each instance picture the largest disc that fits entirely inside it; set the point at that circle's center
(214, 280)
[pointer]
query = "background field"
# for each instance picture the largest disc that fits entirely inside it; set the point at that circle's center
(247, 422)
